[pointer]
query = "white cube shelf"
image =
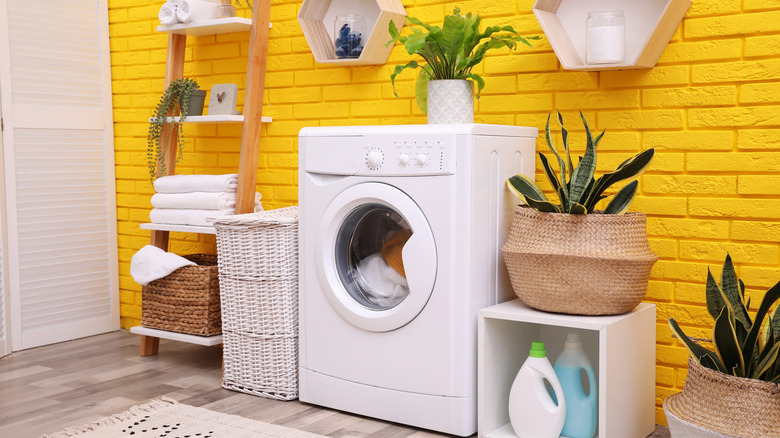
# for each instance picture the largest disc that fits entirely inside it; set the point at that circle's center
(621, 348)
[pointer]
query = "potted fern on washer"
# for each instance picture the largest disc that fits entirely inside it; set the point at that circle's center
(444, 89)
(567, 257)
(733, 391)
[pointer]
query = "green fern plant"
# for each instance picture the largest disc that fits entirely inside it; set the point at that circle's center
(576, 186)
(744, 347)
(174, 102)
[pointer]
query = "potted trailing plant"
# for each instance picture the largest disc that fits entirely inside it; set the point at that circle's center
(444, 89)
(567, 257)
(733, 390)
(181, 98)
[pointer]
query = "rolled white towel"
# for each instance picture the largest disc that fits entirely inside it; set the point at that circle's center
(167, 14)
(196, 10)
(173, 2)
(198, 200)
(176, 216)
(151, 263)
(196, 183)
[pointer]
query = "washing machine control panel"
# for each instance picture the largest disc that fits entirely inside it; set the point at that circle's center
(409, 155)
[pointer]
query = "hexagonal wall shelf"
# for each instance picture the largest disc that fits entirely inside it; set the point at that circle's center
(317, 17)
(650, 25)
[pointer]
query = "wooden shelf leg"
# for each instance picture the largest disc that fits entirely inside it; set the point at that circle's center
(149, 345)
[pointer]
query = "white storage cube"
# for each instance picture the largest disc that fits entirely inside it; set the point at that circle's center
(621, 348)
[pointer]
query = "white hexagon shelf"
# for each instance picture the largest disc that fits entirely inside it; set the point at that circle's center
(650, 25)
(317, 17)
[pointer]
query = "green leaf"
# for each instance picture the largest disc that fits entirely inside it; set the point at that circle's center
(525, 188)
(769, 360)
(772, 295)
(697, 351)
(415, 42)
(631, 169)
(565, 137)
(421, 88)
(714, 296)
(586, 168)
(550, 174)
(394, 33)
(622, 200)
(551, 145)
(399, 69)
(480, 82)
(453, 34)
(577, 208)
(725, 341)
(775, 322)
(545, 206)
(730, 288)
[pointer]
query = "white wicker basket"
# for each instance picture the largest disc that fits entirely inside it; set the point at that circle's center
(258, 277)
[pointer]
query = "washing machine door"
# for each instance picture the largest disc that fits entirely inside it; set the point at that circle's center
(376, 257)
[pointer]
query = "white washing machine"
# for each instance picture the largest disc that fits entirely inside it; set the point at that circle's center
(400, 230)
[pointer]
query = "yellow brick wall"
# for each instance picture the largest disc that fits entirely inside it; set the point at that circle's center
(711, 108)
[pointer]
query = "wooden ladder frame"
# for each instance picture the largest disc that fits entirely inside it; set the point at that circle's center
(250, 132)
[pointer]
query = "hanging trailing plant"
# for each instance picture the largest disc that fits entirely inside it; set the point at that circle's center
(174, 102)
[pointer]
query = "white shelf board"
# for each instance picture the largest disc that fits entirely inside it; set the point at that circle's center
(209, 27)
(227, 118)
(179, 228)
(207, 341)
(516, 310)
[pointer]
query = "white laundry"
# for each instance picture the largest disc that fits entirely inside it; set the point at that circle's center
(151, 263)
(167, 14)
(380, 283)
(199, 200)
(196, 10)
(196, 183)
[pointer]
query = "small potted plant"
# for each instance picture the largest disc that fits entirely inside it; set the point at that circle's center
(444, 89)
(567, 257)
(181, 98)
(733, 390)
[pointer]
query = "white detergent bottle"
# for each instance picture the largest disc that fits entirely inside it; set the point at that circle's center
(532, 411)
(581, 409)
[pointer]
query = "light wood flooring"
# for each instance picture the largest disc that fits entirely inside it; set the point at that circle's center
(46, 389)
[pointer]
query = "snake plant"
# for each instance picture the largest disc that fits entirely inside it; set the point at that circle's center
(577, 188)
(744, 347)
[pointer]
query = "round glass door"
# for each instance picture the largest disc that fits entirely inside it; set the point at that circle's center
(376, 257)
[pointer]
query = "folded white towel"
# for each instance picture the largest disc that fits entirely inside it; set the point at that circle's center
(196, 10)
(175, 216)
(196, 183)
(151, 263)
(167, 14)
(198, 200)
(380, 283)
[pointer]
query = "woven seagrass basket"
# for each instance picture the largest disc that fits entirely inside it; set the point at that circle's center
(723, 406)
(258, 268)
(595, 264)
(186, 300)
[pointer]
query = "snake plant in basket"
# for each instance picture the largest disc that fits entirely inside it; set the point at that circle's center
(567, 257)
(734, 389)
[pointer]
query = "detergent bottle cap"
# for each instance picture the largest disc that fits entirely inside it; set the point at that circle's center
(573, 341)
(537, 349)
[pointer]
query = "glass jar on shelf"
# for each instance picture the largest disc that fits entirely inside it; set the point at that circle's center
(348, 33)
(606, 37)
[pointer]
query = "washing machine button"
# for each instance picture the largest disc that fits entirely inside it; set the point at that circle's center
(404, 159)
(422, 159)
(374, 159)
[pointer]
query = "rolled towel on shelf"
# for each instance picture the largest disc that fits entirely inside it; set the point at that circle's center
(196, 183)
(176, 216)
(167, 14)
(196, 10)
(173, 2)
(198, 200)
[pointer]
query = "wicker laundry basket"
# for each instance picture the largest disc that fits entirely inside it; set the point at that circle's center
(186, 300)
(258, 268)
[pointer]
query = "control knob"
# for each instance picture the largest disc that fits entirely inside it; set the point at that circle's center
(422, 159)
(404, 159)
(374, 159)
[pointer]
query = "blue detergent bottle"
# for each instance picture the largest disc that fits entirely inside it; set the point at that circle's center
(581, 409)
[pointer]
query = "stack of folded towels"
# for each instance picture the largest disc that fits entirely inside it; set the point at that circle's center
(185, 11)
(191, 199)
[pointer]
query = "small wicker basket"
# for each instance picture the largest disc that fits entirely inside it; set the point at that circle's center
(258, 268)
(595, 264)
(186, 300)
(724, 405)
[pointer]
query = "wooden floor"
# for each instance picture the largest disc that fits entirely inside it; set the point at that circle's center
(46, 389)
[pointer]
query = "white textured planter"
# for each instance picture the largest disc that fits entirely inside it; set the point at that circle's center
(450, 101)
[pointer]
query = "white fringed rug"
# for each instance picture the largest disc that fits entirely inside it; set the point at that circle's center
(167, 418)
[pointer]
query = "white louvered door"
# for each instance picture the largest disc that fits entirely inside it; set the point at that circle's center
(5, 304)
(59, 170)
